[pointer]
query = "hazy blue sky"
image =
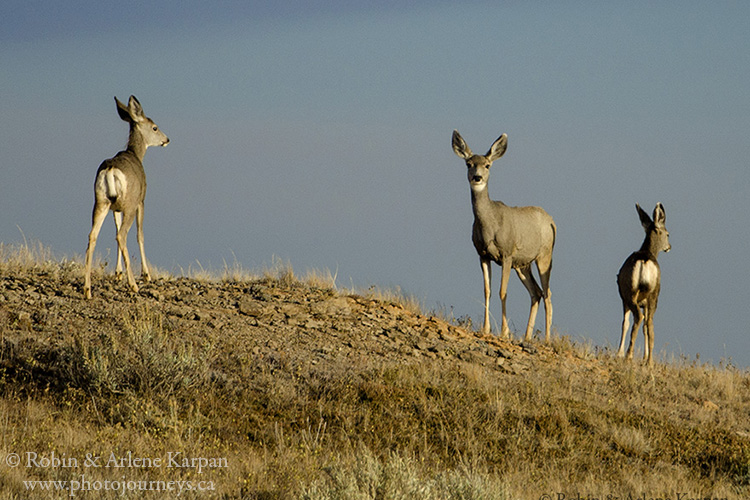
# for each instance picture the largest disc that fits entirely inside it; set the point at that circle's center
(320, 134)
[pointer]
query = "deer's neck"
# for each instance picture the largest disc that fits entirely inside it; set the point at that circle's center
(136, 144)
(649, 248)
(484, 209)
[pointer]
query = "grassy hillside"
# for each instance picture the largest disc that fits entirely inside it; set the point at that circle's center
(274, 387)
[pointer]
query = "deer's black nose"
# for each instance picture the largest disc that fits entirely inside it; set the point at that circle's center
(477, 178)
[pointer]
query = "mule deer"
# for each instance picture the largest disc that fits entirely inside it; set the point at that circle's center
(514, 237)
(639, 281)
(120, 186)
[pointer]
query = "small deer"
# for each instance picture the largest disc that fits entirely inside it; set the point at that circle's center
(120, 186)
(513, 237)
(639, 282)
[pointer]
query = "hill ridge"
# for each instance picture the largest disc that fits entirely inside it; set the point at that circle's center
(47, 301)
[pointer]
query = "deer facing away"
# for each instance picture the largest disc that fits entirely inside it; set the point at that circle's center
(513, 237)
(120, 187)
(639, 282)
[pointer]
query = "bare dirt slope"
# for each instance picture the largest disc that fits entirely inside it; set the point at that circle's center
(273, 318)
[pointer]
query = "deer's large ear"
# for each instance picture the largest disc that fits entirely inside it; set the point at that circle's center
(135, 109)
(460, 147)
(498, 148)
(660, 216)
(123, 111)
(645, 219)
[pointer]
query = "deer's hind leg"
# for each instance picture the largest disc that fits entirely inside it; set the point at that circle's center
(122, 243)
(626, 315)
(118, 224)
(507, 263)
(139, 228)
(544, 266)
(648, 334)
(535, 293)
(97, 219)
(639, 316)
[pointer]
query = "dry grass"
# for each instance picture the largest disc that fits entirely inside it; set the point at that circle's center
(583, 423)
(29, 256)
(393, 296)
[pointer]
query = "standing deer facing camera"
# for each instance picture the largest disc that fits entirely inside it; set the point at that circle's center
(639, 281)
(120, 186)
(514, 237)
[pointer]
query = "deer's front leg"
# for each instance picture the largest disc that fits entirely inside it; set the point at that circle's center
(487, 276)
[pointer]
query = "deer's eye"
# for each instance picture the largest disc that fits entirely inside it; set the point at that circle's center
(156, 128)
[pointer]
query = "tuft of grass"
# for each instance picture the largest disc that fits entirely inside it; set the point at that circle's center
(564, 344)
(394, 296)
(236, 273)
(368, 477)
(278, 270)
(323, 279)
(198, 273)
(145, 357)
(32, 256)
